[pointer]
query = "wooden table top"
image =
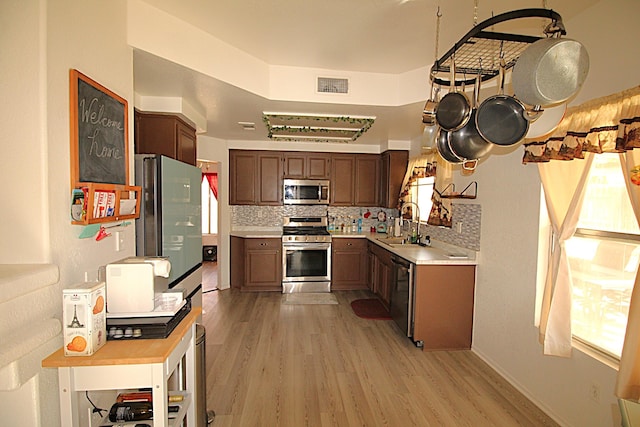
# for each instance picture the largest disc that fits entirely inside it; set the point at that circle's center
(131, 352)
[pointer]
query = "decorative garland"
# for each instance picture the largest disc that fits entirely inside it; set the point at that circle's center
(364, 124)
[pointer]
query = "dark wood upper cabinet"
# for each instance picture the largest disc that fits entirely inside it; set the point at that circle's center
(303, 165)
(367, 179)
(269, 178)
(342, 179)
(243, 172)
(165, 134)
(393, 166)
(255, 177)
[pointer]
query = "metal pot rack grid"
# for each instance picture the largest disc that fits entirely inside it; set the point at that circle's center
(485, 47)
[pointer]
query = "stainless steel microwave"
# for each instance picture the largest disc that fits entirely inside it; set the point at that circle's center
(306, 192)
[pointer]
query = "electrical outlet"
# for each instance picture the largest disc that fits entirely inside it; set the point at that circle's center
(119, 241)
(594, 392)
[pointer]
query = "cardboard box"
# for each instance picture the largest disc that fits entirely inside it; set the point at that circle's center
(83, 311)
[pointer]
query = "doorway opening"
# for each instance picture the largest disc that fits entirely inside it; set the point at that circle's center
(210, 215)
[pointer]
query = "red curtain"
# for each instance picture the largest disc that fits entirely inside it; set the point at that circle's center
(212, 179)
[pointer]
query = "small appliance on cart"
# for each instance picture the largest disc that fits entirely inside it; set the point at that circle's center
(139, 303)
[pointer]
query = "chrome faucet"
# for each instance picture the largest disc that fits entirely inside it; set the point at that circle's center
(411, 220)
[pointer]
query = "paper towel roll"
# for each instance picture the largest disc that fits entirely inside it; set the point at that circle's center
(397, 229)
(161, 266)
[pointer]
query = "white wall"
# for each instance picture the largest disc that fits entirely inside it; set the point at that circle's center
(216, 150)
(23, 165)
(509, 192)
(41, 40)
(90, 37)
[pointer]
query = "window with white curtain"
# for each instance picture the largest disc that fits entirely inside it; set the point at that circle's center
(209, 210)
(421, 192)
(603, 256)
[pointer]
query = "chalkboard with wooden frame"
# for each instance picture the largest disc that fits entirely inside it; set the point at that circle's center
(99, 133)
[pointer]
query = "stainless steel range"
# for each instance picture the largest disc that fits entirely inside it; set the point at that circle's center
(306, 255)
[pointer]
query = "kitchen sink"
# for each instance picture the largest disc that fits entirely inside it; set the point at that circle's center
(392, 241)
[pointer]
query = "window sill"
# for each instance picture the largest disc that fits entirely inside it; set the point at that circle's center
(602, 357)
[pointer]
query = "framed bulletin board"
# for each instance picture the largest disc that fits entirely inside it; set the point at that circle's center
(99, 133)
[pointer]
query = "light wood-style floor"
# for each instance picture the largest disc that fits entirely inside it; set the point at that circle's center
(209, 276)
(270, 364)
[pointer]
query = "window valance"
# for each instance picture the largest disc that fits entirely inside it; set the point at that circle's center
(610, 124)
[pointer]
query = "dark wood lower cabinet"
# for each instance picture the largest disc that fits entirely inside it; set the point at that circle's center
(444, 306)
(380, 273)
(349, 264)
(256, 264)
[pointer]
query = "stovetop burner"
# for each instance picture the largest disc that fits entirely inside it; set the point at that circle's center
(307, 229)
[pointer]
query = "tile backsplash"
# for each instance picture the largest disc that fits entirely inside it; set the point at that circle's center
(465, 217)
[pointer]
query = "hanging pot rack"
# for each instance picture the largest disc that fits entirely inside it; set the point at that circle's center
(485, 47)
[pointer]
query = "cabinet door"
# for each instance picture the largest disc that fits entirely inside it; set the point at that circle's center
(342, 179)
(385, 279)
(263, 265)
(318, 166)
(186, 143)
(302, 165)
(367, 179)
(237, 262)
(242, 177)
(393, 167)
(270, 178)
(295, 165)
(349, 264)
(155, 134)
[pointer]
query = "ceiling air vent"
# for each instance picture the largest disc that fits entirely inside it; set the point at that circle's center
(331, 85)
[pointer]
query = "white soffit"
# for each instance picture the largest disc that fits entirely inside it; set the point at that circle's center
(317, 128)
(175, 105)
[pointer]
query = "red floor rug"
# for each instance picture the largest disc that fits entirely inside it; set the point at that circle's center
(370, 308)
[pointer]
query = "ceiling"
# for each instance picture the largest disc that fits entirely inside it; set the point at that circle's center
(370, 36)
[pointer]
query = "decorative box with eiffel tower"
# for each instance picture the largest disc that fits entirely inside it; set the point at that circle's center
(84, 320)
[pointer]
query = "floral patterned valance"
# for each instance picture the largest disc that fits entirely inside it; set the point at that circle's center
(423, 166)
(609, 124)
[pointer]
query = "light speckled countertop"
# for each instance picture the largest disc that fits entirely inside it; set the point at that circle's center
(438, 253)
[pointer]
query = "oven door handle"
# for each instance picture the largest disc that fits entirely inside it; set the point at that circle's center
(305, 246)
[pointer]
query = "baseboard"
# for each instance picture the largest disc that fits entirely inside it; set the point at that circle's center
(519, 387)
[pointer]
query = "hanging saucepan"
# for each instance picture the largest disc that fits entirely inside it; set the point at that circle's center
(550, 71)
(502, 119)
(429, 111)
(454, 108)
(442, 144)
(466, 142)
(547, 121)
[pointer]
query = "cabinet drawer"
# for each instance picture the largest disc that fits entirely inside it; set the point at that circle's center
(349, 243)
(258, 244)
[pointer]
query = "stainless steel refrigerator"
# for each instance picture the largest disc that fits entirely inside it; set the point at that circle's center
(170, 222)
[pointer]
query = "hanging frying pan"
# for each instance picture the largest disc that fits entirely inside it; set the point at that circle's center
(442, 144)
(548, 120)
(467, 143)
(454, 108)
(502, 119)
(550, 71)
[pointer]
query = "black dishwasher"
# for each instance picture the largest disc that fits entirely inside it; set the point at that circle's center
(401, 307)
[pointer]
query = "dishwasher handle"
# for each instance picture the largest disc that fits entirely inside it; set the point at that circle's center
(401, 262)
